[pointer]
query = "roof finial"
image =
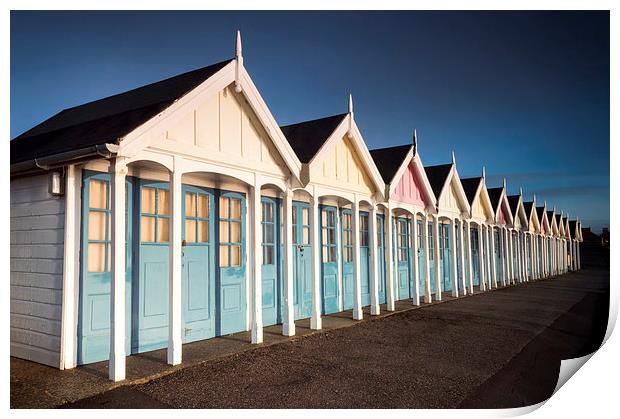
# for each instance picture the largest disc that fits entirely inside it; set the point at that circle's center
(504, 183)
(484, 172)
(521, 190)
(553, 207)
(453, 158)
(545, 203)
(239, 62)
(534, 199)
(350, 103)
(415, 142)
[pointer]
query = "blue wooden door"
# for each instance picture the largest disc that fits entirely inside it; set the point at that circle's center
(421, 258)
(456, 278)
(150, 305)
(271, 273)
(93, 332)
(431, 257)
(528, 259)
(329, 261)
(445, 257)
(198, 279)
(381, 257)
(475, 256)
(498, 256)
(346, 239)
(364, 259)
(231, 301)
(403, 254)
(302, 261)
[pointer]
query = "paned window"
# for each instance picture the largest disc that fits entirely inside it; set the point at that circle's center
(347, 237)
(154, 215)
(328, 235)
(268, 224)
(230, 232)
(197, 216)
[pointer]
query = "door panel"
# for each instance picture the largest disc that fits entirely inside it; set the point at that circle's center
(346, 240)
(381, 257)
(329, 260)
(364, 259)
(475, 256)
(302, 260)
(403, 255)
(421, 258)
(445, 257)
(270, 270)
(431, 257)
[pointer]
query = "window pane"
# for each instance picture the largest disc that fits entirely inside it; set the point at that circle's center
(267, 212)
(235, 255)
(295, 238)
(305, 216)
(163, 204)
(190, 204)
(98, 194)
(267, 255)
(294, 216)
(147, 229)
(331, 236)
(235, 209)
(323, 217)
(190, 231)
(96, 257)
(203, 231)
(324, 235)
(224, 235)
(268, 236)
(96, 225)
(224, 255)
(332, 254)
(203, 206)
(306, 237)
(325, 254)
(163, 230)
(235, 232)
(148, 200)
(224, 207)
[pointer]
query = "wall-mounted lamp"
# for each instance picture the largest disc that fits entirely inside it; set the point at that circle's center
(56, 186)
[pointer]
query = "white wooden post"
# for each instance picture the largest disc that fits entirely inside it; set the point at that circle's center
(482, 258)
(455, 275)
(469, 261)
(358, 314)
(502, 244)
(427, 268)
(493, 257)
(490, 257)
(288, 321)
(315, 320)
(437, 265)
(415, 262)
(257, 263)
(175, 266)
(70, 277)
(462, 255)
(389, 260)
(578, 256)
(117, 300)
(374, 262)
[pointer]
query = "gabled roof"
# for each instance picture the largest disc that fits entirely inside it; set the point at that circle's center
(527, 206)
(513, 201)
(495, 194)
(437, 176)
(470, 186)
(107, 120)
(306, 138)
(389, 160)
(572, 227)
(540, 211)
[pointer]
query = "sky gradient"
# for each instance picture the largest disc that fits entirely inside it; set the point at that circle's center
(525, 94)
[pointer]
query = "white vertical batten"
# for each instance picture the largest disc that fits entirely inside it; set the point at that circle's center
(315, 320)
(436, 261)
(117, 297)
(288, 324)
(355, 226)
(462, 235)
(175, 305)
(257, 262)
(481, 258)
(416, 259)
(374, 265)
(469, 261)
(428, 298)
(68, 347)
(389, 258)
(454, 273)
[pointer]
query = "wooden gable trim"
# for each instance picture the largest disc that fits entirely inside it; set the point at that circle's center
(420, 172)
(465, 207)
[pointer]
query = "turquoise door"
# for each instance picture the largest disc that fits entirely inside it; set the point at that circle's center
(271, 273)
(364, 259)
(475, 256)
(329, 262)
(302, 261)
(198, 279)
(498, 256)
(346, 238)
(381, 256)
(231, 279)
(459, 269)
(421, 258)
(445, 257)
(528, 247)
(403, 254)
(150, 297)
(93, 332)
(431, 257)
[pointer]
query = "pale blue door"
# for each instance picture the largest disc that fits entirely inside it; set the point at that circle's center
(302, 261)
(329, 261)
(403, 254)
(364, 259)
(271, 268)
(93, 332)
(459, 268)
(445, 257)
(431, 257)
(198, 279)
(150, 305)
(231, 282)
(475, 256)
(381, 256)
(498, 256)
(421, 258)
(346, 238)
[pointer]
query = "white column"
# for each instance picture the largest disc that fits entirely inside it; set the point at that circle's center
(507, 236)
(374, 265)
(511, 257)
(578, 256)
(70, 280)
(257, 263)
(358, 314)
(437, 266)
(463, 232)
(502, 244)
(315, 320)
(175, 321)
(455, 275)
(493, 256)
(288, 320)
(533, 251)
(482, 258)
(469, 261)
(427, 267)
(117, 298)
(490, 257)
(389, 259)
(414, 265)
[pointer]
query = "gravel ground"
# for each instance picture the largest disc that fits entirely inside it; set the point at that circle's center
(497, 349)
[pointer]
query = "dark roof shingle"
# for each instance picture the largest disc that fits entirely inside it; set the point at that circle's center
(306, 138)
(495, 194)
(389, 159)
(437, 176)
(106, 120)
(513, 202)
(470, 186)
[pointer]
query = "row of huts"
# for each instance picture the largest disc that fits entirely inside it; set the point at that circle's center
(180, 211)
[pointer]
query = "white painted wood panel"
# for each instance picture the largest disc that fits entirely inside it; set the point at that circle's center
(36, 266)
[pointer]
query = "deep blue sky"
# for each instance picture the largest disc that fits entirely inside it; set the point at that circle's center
(524, 93)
